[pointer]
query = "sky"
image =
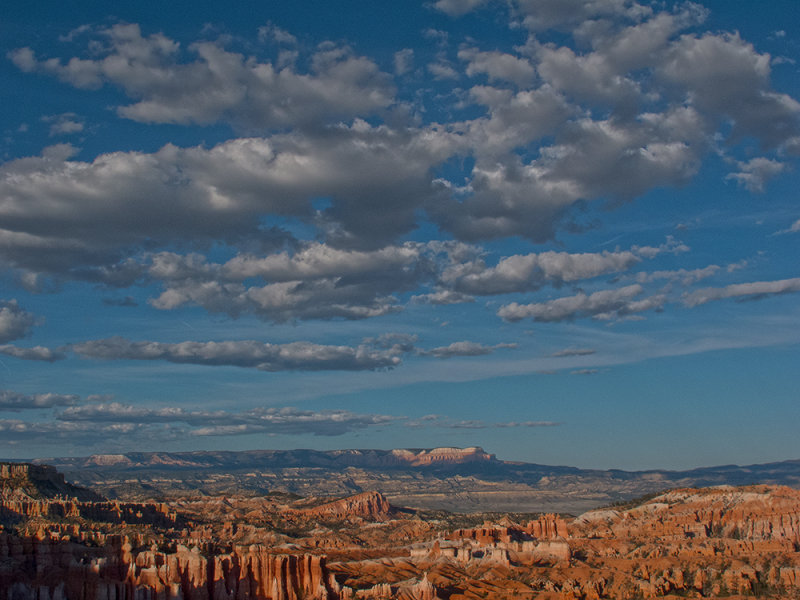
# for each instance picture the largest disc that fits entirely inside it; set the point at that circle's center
(566, 231)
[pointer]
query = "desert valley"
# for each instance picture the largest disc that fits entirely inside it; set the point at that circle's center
(63, 542)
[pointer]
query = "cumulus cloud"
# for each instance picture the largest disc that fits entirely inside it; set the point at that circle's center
(441, 70)
(700, 81)
(591, 159)
(456, 8)
(442, 297)
(529, 272)
(726, 77)
(514, 119)
(564, 14)
(13, 401)
(15, 323)
(219, 84)
(538, 152)
(403, 61)
(64, 124)
(272, 33)
(605, 304)
(755, 290)
(192, 196)
(498, 66)
(754, 173)
(315, 281)
(40, 353)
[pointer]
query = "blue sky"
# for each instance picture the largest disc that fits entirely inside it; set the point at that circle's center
(566, 231)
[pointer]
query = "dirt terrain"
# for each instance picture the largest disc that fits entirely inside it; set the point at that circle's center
(60, 542)
(455, 479)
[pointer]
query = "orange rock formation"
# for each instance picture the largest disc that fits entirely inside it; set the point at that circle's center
(715, 542)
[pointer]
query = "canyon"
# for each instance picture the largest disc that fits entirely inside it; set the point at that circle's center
(455, 479)
(59, 541)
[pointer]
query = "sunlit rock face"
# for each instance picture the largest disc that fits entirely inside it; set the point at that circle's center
(708, 542)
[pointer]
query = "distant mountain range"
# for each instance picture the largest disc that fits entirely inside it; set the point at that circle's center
(458, 479)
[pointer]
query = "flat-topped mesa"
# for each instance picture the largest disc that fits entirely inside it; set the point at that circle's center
(372, 506)
(105, 460)
(473, 454)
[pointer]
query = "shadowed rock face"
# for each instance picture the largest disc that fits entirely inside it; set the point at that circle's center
(116, 572)
(23, 481)
(731, 542)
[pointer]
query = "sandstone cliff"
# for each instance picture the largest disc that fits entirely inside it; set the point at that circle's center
(371, 506)
(23, 481)
(46, 569)
(711, 543)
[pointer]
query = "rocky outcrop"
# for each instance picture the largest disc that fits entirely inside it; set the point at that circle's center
(34, 569)
(23, 481)
(756, 513)
(371, 506)
(548, 527)
(153, 514)
(448, 456)
(719, 542)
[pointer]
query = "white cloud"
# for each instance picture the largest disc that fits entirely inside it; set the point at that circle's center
(403, 61)
(441, 70)
(529, 272)
(52, 222)
(754, 173)
(456, 8)
(294, 356)
(13, 401)
(726, 77)
(498, 66)
(220, 85)
(40, 353)
(464, 348)
(515, 120)
(520, 273)
(15, 323)
(793, 228)
(753, 290)
(685, 276)
(64, 124)
(564, 14)
(272, 33)
(605, 304)
(590, 159)
(314, 281)
(270, 420)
